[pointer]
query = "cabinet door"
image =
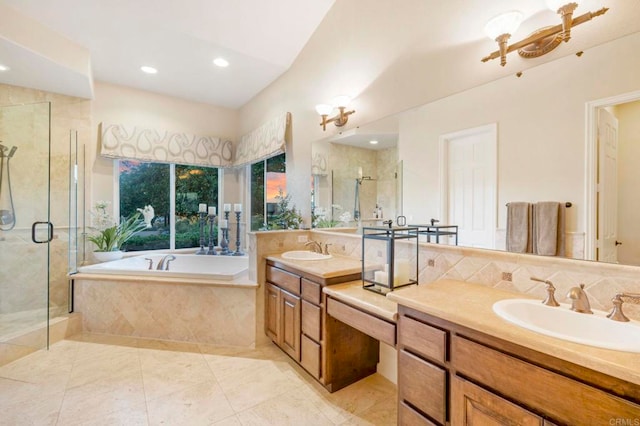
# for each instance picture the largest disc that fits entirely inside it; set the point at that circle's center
(472, 405)
(290, 323)
(272, 313)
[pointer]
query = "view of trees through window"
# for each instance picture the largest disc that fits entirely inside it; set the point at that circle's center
(268, 181)
(143, 184)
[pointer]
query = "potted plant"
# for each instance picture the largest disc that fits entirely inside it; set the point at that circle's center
(110, 237)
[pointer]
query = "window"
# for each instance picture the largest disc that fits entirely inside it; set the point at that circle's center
(174, 191)
(268, 181)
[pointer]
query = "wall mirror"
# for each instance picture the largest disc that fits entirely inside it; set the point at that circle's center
(541, 134)
(357, 177)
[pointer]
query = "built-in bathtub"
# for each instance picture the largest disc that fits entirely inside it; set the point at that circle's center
(186, 266)
(200, 299)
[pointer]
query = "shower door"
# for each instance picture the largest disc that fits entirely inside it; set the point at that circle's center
(25, 229)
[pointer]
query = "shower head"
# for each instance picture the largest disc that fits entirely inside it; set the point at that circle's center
(13, 151)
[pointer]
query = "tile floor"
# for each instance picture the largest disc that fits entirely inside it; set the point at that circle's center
(107, 380)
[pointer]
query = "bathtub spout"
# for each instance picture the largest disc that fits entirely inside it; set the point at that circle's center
(163, 265)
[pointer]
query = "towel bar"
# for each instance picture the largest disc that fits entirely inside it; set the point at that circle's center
(567, 204)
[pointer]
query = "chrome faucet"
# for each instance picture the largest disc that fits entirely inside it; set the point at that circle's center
(163, 265)
(616, 313)
(579, 300)
(317, 247)
(550, 300)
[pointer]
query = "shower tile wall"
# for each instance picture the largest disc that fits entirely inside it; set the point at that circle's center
(344, 160)
(21, 284)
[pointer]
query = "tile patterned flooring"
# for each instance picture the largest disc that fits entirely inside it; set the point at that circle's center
(107, 380)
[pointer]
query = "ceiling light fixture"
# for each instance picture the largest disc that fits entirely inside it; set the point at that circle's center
(4, 68)
(373, 142)
(148, 70)
(339, 102)
(541, 41)
(221, 62)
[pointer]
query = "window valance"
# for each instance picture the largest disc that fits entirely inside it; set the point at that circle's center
(266, 141)
(138, 143)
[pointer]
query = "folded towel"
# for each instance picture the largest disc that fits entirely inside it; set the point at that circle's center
(548, 228)
(518, 227)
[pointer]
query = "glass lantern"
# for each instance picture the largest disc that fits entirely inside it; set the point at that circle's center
(389, 258)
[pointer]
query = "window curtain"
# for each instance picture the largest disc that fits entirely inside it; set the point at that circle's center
(150, 145)
(266, 141)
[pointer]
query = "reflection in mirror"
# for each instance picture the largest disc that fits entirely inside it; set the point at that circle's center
(356, 176)
(541, 150)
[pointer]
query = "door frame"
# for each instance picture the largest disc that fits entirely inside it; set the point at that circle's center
(444, 141)
(591, 165)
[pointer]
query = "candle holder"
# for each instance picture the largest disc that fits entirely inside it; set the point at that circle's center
(212, 249)
(224, 242)
(238, 252)
(203, 218)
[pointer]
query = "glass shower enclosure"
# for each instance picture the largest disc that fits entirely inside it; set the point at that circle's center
(25, 227)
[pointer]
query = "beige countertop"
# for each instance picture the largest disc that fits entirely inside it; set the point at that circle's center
(329, 268)
(353, 294)
(470, 305)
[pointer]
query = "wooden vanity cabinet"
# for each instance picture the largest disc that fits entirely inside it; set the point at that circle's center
(296, 320)
(448, 374)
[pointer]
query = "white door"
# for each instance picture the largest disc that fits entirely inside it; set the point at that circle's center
(469, 174)
(607, 187)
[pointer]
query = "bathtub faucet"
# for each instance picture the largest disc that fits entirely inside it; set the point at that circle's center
(163, 265)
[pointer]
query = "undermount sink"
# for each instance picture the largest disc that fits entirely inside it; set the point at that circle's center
(561, 322)
(305, 255)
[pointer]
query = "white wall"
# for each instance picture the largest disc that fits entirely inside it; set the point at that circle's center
(118, 104)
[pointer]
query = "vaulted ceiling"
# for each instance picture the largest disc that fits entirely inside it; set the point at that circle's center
(260, 39)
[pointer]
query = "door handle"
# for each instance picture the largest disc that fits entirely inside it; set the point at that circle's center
(618, 243)
(49, 233)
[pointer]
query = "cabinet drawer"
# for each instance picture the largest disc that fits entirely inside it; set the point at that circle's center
(407, 416)
(284, 279)
(366, 323)
(311, 291)
(470, 404)
(423, 339)
(311, 321)
(550, 393)
(423, 385)
(310, 356)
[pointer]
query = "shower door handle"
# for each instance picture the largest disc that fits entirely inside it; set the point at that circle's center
(49, 233)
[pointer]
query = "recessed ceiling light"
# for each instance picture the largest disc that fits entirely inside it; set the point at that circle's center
(4, 68)
(149, 70)
(221, 62)
(373, 142)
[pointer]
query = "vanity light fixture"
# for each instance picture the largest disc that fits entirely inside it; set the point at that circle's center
(340, 102)
(541, 41)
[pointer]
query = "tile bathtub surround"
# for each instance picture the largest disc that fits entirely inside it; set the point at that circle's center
(96, 379)
(602, 281)
(218, 315)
